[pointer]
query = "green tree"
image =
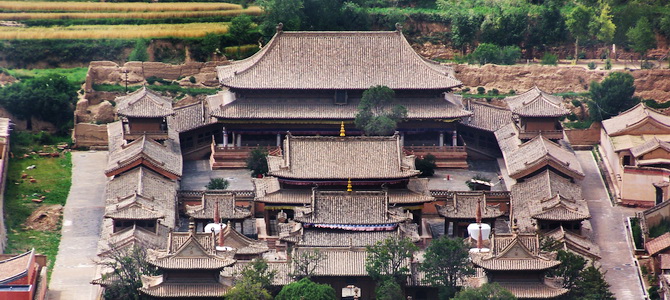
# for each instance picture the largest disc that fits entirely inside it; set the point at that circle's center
(306, 289)
(257, 161)
(488, 291)
(426, 165)
(240, 29)
(287, 12)
(389, 258)
(388, 289)
(217, 184)
(592, 286)
(641, 37)
(445, 261)
(578, 21)
(247, 289)
(253, 282)
(139, 53)
(464, 28)
(377, 112)
(127, 265)
(570, 268)
(50, 98)
(306, 262)
(612, 96)
(602, 25)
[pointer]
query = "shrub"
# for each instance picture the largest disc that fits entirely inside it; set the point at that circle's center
(512, 92)
(494, 92)
(152, 79)
(647, 65)
(509, 55)
(608, 64)
(426, 165)
(572, 117)
(191, 79)
(576, 103)
(490, 53)
(257, 161)
(481, 90)
(217, 184)
(139, 53)
(549, 59)
(581, 55)
(466, 90)
(591, 65)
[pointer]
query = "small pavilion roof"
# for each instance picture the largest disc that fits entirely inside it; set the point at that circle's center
(155, 287)
(336, 60)
(349, 208)
(536, 103)
(486, 116)
(189, 117)
(147, 152)
(464, 206)
(227, 207)
(635, 117)
(190, 250)
(538, 153)
(649, 146)
(135, 207)
(241, 243)
(143, 103)
(533, 290)
(514, 252)
(575, 242)
(16, 267)
(353, 157)
(658, 244)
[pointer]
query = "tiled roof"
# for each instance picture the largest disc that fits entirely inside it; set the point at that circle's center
(336, 60)
(512, 252)
(184, 289)
(340, 262)
(361, 208)
(649, 146)
(188, 117)
(464, 206)
(658, 244)
(538, 153)
(325, 109)
(227, 207)
(536, 196)
(342, 238)
(576, 243)
(143, 103)
(135, 207)
(241, 243)
(664, 261)
(282, 268)
(637, 115)
(140, 181)
(191, 254)
(533, 290)
(536, 103)
(164, 157)
(487, 117)
(354, 157)
(134, 236)
(15, 267)
(268, 190)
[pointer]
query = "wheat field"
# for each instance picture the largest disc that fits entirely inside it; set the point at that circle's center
(110, 7)
(113, 31)
(254, 10)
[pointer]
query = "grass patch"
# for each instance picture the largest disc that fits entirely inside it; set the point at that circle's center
(172, 88)
(112, 6)
(53, 181)
(74, 75)
(586, 124)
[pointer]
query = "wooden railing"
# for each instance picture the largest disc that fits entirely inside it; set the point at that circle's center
(135, 134)
(433, 149)
(550, 134)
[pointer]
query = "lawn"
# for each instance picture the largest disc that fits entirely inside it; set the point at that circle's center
(74, 75)
(53, 180)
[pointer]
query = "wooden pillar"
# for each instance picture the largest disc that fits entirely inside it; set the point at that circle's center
(441, 142)
(225, 137)
(402, 139)
(278, 139)
(454, 138)
(239, 139)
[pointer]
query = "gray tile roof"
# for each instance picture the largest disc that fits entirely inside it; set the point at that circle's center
(512, 252)
(135, 208)
(536, 103)
(227, 207)
(486, 117)
(189, 117)
(533, 290)
(281, 108)
(336, 60)
(190, 250)
(340, 262)
(547, 196)
(352, 157)
(576, 243)
(241, 243)
(185, 290)
(634, 117)
(649, 146)
(356, 208)
(342, 238)
(143, 103)
(464, 206)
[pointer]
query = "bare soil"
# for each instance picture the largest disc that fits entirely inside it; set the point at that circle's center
(45, 218)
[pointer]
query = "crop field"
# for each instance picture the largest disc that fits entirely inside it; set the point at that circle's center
(107, 6)
(113, 31)
(254, 10)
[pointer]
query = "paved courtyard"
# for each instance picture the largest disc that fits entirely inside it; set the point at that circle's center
(609, 231)
(75, 268)
(454, 179)
(197, 173)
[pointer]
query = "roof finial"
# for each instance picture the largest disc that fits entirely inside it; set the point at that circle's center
(191, 225)
(342, 132)
(480, 239)
(280, 27)
(349, 187)
(221, 237)
(217, 216)
(398, 27)
(478, 213)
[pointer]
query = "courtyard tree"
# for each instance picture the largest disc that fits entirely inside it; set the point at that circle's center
(445, 261)
(305, 263)
(257, 161)
(389, 258)
(641, 37)
(612, 96)
(488, 291)
(570, 268)
(306, 289)
(253, 282)
(127, 266)
(377, 112)
(389, 289)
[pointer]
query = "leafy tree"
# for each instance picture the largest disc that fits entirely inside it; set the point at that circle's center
(306, 262)
(139, 53)
(507, 27)
(306, 289)
(240, 29)
(491, 53)
(50, 98)
(257, 161)
(287, 12)
(464, 28)
(217, 184)
(127, 265)
(488, 291)
(592, 286)
(322, 14)
(570, 268)
(578, 21)
(426, 165)
(377, 114)
(253, 282)
(602, 25)
(354, 17)
(612, 96)
(445, 261)
(388, 259)
(388, 289)
(641, 37)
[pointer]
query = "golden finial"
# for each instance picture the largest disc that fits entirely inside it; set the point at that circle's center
(342, 129)
(349, 185)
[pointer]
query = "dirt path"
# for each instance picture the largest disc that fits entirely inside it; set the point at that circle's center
(74, 268)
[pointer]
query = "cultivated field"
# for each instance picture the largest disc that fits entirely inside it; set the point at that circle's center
(107, 6)
(113, 31)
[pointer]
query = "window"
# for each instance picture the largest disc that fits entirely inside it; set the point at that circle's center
(341, 97)
(626, 160)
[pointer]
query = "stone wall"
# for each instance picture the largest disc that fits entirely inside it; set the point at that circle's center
(89, 135)
(22, 125)
(584, 137)
(650, 84)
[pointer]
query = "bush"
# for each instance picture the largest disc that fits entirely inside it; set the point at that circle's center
(389, 290)
(512, 92)
(306, 289)
(217, 184)
(647, 65)
(572, 117)
(426, 165)
(549, 59)
(481, 90)
(608, 64)
(591, 65)
(637, 233)
(576, 103)
(494, 92)
(581, 55)
(191, 79)
(257, 161)
(139, 53)
(466, 90)
(509, 55)
(490, 53)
